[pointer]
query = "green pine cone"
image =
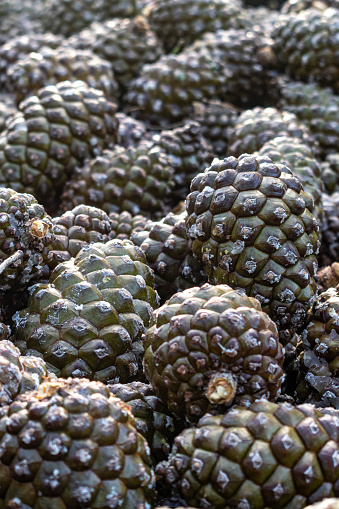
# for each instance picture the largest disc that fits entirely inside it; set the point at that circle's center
(329, 227)
(210, 347)
(304, 61)
(131, 131)
(266, 456)
(168, 251)
(19, 47)
(318, 108)
(76, 229)
(188, 152)
(245, 60)
(165, 91)
(68, 17)
(137, 180)
(253, 227)
(128, 44)
(152, 419)
(54, 131)
(51, 66)
(216, 120)
(180, 22)
(259, 125)
(298, 156)
(89, 319)
(124, 225)
(18, 374)
(318, 362)
(328, 503)
(69, 445)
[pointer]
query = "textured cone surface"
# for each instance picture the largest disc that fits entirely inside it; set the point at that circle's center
(124, 225)
(319, 362)
(16, 25)
(328, 503)
(25, 235)
(262, 19)
(318, 108)
(245, 60)
(330, 173)
(137, 180)
(265, 456)
(183, 21)
(305, 61)
(329, 227)
(165, 91)
(253, 227)
(204, 334)
(188, 152)
(89, 319)
(168, 251)
(127, 44)
(299, 157)
(300, 5)
(7, 110)
(19, 47)
(17, 374)
(216, 119)
(131, 131)
(257, 126)
(71, 444)
(50, 66)
(53, 131)
(152, 419)
(68, 17)
(76, 229)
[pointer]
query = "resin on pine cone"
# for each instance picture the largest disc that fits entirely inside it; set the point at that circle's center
(210, 347)
(253, 227)
(26, 236)
(265, 456)
(71, 444)
(89, 319)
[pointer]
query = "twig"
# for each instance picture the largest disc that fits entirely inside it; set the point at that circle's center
(16, 256)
